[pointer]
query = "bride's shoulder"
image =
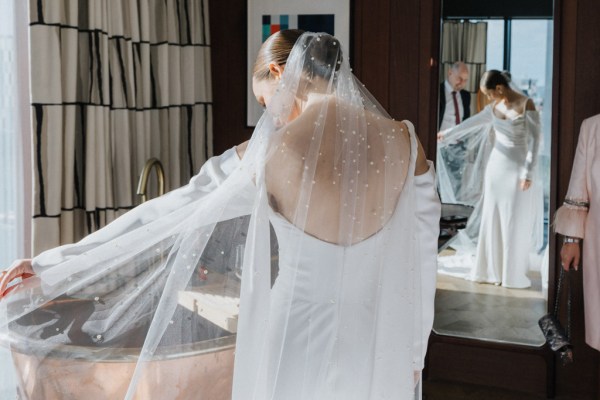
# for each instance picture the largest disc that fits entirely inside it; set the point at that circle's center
(524, 104)
(405, 132)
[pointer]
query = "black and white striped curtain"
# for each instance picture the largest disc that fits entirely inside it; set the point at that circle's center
(114, 83)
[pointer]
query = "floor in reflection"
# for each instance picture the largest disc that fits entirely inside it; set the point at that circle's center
(488, 312)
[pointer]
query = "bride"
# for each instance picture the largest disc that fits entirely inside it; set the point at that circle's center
(353, 204)
(506, 224)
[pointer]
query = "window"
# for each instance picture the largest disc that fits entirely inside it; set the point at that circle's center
(529, 61)
(14, 133)
(495, 44)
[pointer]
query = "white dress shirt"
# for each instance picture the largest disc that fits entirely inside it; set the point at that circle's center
(449, 119)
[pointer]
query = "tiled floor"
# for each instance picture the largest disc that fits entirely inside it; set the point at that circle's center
(468, 309)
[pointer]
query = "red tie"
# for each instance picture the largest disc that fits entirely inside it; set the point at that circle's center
(456, 112)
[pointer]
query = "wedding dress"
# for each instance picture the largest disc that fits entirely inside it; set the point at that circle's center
(345, 315)
(507, 222)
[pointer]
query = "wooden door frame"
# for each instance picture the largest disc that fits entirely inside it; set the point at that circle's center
(515, 367)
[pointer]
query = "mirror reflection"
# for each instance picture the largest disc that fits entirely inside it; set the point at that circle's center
(493, 166)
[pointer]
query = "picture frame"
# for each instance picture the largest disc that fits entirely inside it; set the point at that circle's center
(266, 17)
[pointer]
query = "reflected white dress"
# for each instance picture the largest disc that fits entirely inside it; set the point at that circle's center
(509, 214)
(507, 223)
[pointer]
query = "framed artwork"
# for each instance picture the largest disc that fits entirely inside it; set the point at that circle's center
(266, 17)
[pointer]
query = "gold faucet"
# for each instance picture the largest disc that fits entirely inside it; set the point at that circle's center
(143, 183)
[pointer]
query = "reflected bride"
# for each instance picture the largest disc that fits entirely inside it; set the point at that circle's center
(507, 220)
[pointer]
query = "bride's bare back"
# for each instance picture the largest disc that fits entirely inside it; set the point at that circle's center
(346, 203)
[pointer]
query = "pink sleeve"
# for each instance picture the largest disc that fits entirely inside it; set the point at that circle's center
(570, 218)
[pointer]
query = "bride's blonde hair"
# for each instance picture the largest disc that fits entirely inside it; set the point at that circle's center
(276, 49)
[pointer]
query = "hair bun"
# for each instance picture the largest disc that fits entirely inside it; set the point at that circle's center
(506, 75)
(324, 55)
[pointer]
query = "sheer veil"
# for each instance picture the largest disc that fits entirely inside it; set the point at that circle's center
(332, 175)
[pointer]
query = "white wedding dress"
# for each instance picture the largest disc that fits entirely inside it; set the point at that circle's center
(311, 339)
(331, 336)
(507, 223)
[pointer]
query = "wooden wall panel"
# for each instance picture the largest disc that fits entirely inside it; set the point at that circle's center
(403, 78)
(370, 52)
(228, 27)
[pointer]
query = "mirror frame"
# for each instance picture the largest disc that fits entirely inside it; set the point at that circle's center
(478, 101)
(481, 362)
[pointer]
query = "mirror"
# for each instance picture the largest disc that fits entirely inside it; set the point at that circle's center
(493, 248)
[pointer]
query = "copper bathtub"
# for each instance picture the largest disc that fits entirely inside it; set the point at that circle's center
(200, 369)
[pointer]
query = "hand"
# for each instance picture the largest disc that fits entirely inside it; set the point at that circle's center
(570, 255)
(440, 136)
(524, 184)
(19, 269)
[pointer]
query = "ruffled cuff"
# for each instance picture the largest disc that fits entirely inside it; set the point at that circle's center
(570, 218)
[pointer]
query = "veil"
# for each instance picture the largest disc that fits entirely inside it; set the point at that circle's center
(461, 161)
(291, 273)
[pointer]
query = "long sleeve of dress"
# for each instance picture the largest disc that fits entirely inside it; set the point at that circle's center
(533, 128)
(570, 218)
(211, 175)
(428, 220)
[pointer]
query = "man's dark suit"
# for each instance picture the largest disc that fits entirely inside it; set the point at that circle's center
(466, 101)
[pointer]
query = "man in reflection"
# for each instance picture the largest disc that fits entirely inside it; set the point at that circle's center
(455, 107)
(455, 102)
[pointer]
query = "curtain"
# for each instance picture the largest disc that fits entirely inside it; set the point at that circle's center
(15, 140)
(114, 83)
(467, 42)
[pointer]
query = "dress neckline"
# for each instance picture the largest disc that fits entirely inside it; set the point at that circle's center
(518, 116)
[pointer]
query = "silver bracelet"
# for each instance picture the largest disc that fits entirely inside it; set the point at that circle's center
(569, 239)
(577, 203)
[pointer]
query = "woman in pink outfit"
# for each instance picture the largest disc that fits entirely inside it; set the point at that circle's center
(579, 218)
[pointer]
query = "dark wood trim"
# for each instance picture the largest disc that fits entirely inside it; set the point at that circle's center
(509, 8)
(513, 367)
